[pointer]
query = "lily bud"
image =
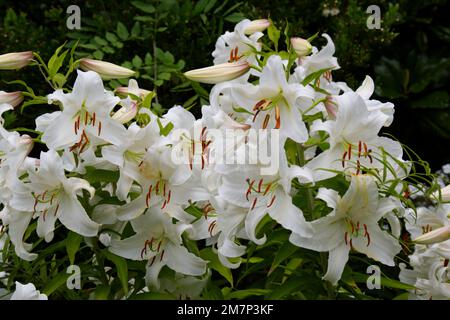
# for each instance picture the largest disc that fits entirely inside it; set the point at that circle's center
(106, 70)
(301, 46)
(11, 98)
(15, 60)
(435, 236)
(134, 89)
(126, 113)
(219, 73)
(257, 26)
(445, 194)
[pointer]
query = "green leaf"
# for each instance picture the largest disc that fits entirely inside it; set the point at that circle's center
(390, 283)
(314, 76)
(102, 292)
(164, 130)
(136, 30)
(94, 175)
(111, 37)
(215, 264)
(100, 41)
(59, 280)
(122, 31)
(436, 99)
(274, 34)
(145, 7)
(72, 245)
(121, 267)
(285, 251)
(152, 296)
(235, 17)
(242, 294)
(137, 62)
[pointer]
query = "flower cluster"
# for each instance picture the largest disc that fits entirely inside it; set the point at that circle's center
(163, 184)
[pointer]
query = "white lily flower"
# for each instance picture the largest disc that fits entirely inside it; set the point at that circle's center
(27, 292)
(129, 153)
(274, 103)
(235, 45)
(353, 224)
(318, 60)
(85, 119)
(354, 141)
(48, 194)
(439, 235)
(445, 194)
(159, 241)
(267, 194)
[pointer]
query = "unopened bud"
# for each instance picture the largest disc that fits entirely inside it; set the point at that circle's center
(257, 26)
(106, 70)
(15, 60)
(301, 46)
(11, 98)
(219, 72)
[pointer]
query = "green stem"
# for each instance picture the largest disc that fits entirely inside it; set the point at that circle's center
(314, 215)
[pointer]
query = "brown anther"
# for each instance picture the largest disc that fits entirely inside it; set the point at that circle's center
(255, 115)
(168, 196)
(359, 148)
(249, 190)
(267, 189)
(260, 185)
(44, 214)
(259, 105)
(99, 128)
(343, 159)
(86, 117)
(93, 119)
(56, 210)
(271, 201)
(164, 204)
(254, 203)
(358, 167)
(148, 196)
(162, 256)
(159, 246)
(345, 237)
(365, 149)
(75, 129)
(349, 151)
(153, 260)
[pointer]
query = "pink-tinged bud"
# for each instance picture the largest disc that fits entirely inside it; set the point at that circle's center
(445, 194)
(126, 113)
(219, 73)
(11, 98)
(435, 236)
(106, 70)
(257, 26)
(133, 89)
(15, 60)
(301, 46)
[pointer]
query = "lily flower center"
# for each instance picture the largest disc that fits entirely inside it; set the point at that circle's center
(266, 105)
(82, 119)
(155, 245)
(354, 230)
(48, 198)
(260, 189)
(160, 188)
(361, 150)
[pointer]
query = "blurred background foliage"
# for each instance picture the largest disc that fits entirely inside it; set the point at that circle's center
(409, 57)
